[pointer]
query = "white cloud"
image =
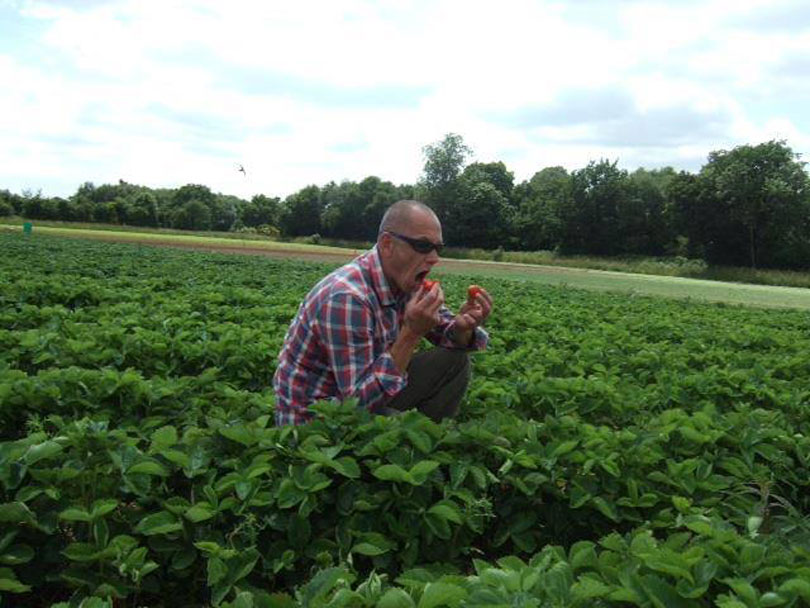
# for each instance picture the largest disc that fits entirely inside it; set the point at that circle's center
(165, 93)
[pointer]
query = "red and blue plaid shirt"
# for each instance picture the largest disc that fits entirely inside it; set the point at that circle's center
(337, 345)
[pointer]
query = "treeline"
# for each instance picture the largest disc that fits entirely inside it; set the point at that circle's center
(749, 206)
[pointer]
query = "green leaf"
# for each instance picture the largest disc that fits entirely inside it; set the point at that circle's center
(420, 471)
(373, 543)
(7, 539)
(200, 512)
(16, 513)
(392, 472)
(323, 583)
(161, 522)
(583, 555)
(240, 433)
(75, 514)
(770, 599)
(606, 508)
(420, 440)
(10, 583)
(243, 564)
(217, 571)
(41, 451)
(681, 503)
(289, 495)
(279, 600)
(441, 594)
(796, 587)
(368, 549)
(16, 555)
(82, 552)
(744, 589)
(208, 547)
(347, 466)
(587, 588)
(557, 582)
(102, 506)
(446, 510)
(565, 447)
(438, 526)
(148, 467)
(663, 595)
(177, 457)
(164, 437)
(670, 563)
(395, 598)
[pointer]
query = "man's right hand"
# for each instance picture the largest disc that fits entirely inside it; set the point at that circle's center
(422, 310)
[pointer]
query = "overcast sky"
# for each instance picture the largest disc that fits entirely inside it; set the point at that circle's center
(167, 92)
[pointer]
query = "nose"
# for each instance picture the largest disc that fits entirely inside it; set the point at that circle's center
(432, 257)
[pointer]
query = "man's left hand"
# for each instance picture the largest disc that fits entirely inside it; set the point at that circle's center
(474, 311)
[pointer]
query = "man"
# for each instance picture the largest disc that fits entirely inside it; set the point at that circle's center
(356, 332)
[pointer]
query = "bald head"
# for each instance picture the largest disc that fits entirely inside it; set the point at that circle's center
(401, 214)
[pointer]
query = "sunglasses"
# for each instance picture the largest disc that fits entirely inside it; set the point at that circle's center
(418, 245)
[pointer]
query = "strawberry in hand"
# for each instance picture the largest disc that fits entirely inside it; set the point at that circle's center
(473, 312)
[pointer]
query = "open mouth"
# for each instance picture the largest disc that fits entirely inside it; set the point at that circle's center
(420, 276)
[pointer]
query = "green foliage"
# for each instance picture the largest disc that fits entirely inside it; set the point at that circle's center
(612, 450)
(753, 202)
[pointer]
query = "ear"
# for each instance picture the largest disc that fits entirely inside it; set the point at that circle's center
(385, 244)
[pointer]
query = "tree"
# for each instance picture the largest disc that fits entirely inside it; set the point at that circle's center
(192, 215)
(143, 211)
(224, 212)
(261, 211)
(538, 223)
(592, 217)
(683, 195)
(65, 209)
(32, 204)
(755, 198)
(379, 195)
(439, 185)
(301, 213)
(482, 213)
(14, 201)
(645, 218)
(444, 161)
(342, 209)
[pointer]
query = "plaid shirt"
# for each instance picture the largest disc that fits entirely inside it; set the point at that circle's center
(337, 345)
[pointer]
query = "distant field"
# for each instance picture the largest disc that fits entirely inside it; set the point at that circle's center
(670, 287)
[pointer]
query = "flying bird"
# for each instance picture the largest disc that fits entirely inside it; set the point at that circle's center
(242, 169)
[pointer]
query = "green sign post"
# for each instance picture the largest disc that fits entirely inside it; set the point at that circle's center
(27, 228)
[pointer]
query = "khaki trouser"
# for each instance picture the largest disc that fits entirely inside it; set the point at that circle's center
(437, 381)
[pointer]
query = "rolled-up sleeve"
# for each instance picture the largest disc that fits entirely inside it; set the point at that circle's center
(362, 368)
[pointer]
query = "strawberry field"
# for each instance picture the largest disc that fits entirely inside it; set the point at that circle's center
(613, 450)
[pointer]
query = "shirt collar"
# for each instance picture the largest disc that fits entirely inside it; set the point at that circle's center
(378, 280)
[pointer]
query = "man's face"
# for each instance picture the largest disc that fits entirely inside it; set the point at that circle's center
(403, 265)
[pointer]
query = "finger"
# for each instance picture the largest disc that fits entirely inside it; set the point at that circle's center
(468, 321)
(486, 308)
(435, 305)
(484, 295)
